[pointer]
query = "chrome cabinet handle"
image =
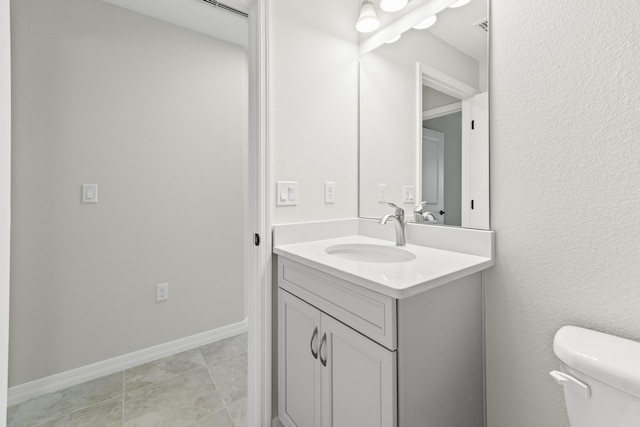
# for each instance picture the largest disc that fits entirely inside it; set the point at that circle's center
(313, 338)
(322, 341)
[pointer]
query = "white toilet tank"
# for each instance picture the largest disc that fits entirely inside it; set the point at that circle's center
(601, 377)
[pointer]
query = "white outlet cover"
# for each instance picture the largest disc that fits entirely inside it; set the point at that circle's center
(162, 292)
(408, 194)
(329, 192)
(382, 193)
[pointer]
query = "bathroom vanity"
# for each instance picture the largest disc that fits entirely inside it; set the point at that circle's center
(369, 336)
(374, 335)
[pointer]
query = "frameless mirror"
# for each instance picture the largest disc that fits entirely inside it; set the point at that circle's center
(424, 122)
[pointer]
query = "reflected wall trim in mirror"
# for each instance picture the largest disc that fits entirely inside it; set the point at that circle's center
(436, 78)
(445, 110)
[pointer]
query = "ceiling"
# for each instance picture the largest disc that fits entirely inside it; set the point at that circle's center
(196, 15)
(456, 27)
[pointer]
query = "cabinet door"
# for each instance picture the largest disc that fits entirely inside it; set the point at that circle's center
(299, 370)
(359, 380)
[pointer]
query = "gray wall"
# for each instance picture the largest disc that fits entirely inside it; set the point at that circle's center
(432, 98)
(451, 126)
(565, 174)
(156, 116)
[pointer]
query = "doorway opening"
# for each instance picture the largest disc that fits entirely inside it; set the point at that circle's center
(255, 222)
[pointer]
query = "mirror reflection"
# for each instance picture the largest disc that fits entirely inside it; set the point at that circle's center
(424, 119)
(441, 163)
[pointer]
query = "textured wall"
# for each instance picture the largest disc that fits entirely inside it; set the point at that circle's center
(313, 109)
(156, 116)
(565, 175)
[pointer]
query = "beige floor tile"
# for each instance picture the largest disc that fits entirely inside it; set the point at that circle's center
(174, 391)
(55, 405)
(230, 369)
(178, 401)
(224, 349)
(219, 419)
(162, 369)
(104, 414)
(238, 411)
(233, 391)
(230, 377)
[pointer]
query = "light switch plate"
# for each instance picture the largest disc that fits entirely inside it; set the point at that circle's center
(89, 193)
(408, 194)
(329, 192)
(286, 193)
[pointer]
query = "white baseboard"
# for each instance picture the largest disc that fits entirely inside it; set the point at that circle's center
(32, 389)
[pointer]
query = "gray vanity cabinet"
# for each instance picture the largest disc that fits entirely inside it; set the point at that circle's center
(299, 369)
(330, 375)
(352, 357)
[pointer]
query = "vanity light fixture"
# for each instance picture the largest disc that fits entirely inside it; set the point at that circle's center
(393, 5)
(368, 20)
(426, 23)
(459, 3)
(394, 39)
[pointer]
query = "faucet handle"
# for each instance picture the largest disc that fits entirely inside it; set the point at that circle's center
(399, 210)
(420, 207)
(429, 217)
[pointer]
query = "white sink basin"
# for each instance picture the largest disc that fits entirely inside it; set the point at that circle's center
(363, 252)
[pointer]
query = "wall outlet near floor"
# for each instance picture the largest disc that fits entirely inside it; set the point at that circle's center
(162, 292)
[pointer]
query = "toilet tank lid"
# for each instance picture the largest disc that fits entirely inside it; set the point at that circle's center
(610, 359)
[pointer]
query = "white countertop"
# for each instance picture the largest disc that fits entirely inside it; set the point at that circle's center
(431, 267)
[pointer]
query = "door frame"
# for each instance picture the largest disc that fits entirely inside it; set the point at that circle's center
(445, 110)
(5, 199)
(259, 289)
(260, 298)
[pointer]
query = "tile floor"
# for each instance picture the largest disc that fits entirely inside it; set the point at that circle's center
(203, 387)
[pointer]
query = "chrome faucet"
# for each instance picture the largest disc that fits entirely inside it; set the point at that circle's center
(398, 218)
(420, 216)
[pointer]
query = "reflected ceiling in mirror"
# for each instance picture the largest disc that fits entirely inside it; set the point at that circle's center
(436, 77)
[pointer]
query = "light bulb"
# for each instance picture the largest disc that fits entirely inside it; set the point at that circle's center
(368, 21)
(393, 5)
(394, 39)
(459, 3)
(426, 23)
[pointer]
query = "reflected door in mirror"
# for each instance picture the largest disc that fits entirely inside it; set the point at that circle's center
(433, 172)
